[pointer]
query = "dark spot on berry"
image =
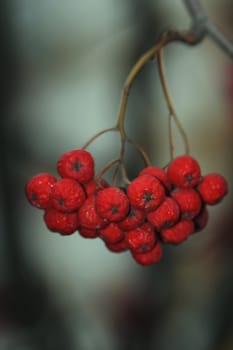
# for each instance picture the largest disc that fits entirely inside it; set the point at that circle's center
(77, 166)
(167, 224)
(34, 197)
(114, 210)
(187, 215)
(189, 178)
(61, 201)
(132, 213)
(144, 248)
(148, 197)
(123, 189)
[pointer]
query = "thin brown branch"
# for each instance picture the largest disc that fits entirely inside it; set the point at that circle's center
(172, 112)
(93, 138)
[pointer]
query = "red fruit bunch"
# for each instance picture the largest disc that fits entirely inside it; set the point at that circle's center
(159, 206)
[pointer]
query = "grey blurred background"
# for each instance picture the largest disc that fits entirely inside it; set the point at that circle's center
(63, 64)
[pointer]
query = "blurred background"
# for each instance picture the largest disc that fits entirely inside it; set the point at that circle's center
(63, 65)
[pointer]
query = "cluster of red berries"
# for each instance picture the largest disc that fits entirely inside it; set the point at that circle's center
(159, 206)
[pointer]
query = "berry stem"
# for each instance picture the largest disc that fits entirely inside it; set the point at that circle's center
(187, 37)
(93, 138)
(115, 174)
(172, 112)
(141, 151)
(170, 136)
(106, 168)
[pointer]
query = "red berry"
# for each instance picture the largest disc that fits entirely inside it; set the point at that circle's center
(166, 215)
(112, 233)
(119, 247)
(149, 258)
(184, 172)
(159, 173)
(64, 223)
(134, 219)
(89, 217)
(189, 202)
(177, 233)
(77, 164)
(88, 233)
(212, 188)
(201, 220)
(146, 192)
(92, 186)
(112, 204)
(67, 195)
(141, 239)
(38, 190)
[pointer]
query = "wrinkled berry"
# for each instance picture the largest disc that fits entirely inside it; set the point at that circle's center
(166, 215)
(77, 164)
(67, 195)
(63, 223)
(212, 188)
(146, 192)
(38, 190)
(184, 172)
(112, 204)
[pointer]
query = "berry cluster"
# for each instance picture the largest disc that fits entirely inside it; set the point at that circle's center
(159, 206)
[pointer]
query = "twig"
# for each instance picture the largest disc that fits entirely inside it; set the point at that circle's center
(203, 26)
(219, 38)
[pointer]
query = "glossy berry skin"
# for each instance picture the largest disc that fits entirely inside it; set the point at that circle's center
(112, 233)
(38, 190)
(159, 173)
(177, 233)
(166, 215)
(88, 233)
(63, 223)
(112, 204)
(141, 239)
(201, 220)
(134, 218)
(212, 188)
(119, 247)
(184, 171)
(189, 202)
(149, 258)
(146, 192)
(67, 195)
(89, 217)
(77, 164)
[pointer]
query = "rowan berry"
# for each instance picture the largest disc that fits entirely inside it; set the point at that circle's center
(159, 173)
(63, 223)
(112, 233)
(77, 164)
(92, 186)
(112, 204)
(184, 171)
(67, 195)
(142, 239)
(89, 217)
(134, 218)
(212, 188)
(189, 202)
(166, 215)
(201, 219)
(149, 258)
(119, 247)
(88, 233)
(146, 192)
(177, 233)
(38, 190)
